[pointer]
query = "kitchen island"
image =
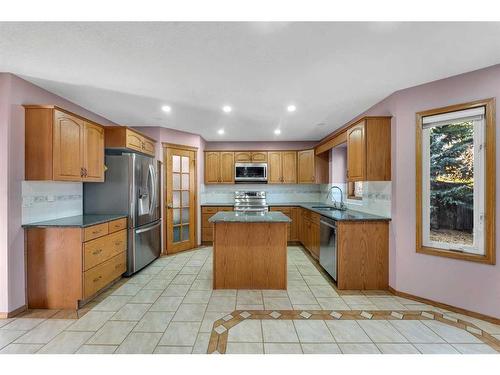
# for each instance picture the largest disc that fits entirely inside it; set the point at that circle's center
(250, 250)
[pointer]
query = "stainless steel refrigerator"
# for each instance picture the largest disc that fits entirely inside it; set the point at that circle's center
(131, 187)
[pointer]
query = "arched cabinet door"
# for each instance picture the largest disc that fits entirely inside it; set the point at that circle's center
(356, 153)
(93, 152)
(67, 147)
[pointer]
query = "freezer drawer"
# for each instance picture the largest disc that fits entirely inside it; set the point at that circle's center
(145, 246)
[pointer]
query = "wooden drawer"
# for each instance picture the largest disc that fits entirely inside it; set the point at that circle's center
(98, 277)
(315, 217)
(101, 249)
(209, 210)
(116, 225)
(95, 231)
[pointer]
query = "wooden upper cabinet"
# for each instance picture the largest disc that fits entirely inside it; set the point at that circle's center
(61, 146)
(68, 147)
(212, 167)
(219, 167)
(356, 153)
(306, 167)
(226, 167)
(122, 137)
(289, 167)
(134, 140)
(312, 169)
(282, 167)
(259, 157)
(243, 157)
(93, 153)
(369, 150)
(274, 168)
(250, 157)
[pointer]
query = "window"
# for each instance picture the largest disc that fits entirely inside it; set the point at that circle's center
(355, 190)
(453, 188)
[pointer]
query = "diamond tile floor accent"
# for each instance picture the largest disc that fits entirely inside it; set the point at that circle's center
(170, 308)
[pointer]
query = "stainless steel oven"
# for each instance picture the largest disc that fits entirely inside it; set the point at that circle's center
(250, 173)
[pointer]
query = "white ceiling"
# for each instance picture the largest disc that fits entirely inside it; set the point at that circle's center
(330, 71)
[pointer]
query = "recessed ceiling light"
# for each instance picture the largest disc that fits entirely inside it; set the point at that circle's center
(277, 131)
(166, 108)
(227, 108)
(291, 108)
(220, 131)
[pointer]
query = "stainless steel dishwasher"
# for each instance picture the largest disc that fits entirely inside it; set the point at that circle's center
(328, 246)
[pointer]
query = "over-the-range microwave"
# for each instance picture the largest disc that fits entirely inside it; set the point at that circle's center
(250, 173)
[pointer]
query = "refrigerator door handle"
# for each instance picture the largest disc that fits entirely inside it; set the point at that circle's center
(152, 203)
(148, 228)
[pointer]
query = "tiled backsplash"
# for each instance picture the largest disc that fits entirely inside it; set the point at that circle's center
(275, 193)
(46, 200)
(376, 195)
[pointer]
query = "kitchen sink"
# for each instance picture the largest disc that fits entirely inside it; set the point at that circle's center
(324, 208)
(327, 208)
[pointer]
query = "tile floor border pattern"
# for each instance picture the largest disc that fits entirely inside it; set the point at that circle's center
(220, 331)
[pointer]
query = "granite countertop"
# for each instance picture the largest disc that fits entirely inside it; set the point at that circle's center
(249, 217)
(348, 215)
(80, 221)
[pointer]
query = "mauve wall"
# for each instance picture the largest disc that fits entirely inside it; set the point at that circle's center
(260, 145)
(180, 138)
(14, 93)
(468, 285)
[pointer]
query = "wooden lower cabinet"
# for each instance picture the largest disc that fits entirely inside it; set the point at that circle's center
(363, 249)
(363, 255)
(68, 265)
(207, 228)
(293, 227)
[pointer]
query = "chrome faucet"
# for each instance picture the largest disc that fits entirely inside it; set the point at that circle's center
(342, 205)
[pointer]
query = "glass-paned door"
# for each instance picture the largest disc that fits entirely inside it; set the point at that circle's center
(180, 199)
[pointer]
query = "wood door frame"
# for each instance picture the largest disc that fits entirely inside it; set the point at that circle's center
(165, 146)
(489, 181)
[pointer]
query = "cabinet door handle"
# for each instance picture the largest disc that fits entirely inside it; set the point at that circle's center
(97, 279)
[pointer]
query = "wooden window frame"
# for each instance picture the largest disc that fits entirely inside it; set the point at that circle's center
(489, 256)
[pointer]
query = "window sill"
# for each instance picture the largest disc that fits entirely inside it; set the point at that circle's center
(485, 259)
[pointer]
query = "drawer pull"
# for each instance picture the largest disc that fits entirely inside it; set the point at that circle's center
(96, 231)
(97, 279)
(118, 266)
(97, 252)
(117, 243)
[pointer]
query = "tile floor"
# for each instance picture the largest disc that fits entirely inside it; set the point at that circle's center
(170, 307)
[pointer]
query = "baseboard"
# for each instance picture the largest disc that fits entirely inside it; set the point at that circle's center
(6, 315)
(458, 310)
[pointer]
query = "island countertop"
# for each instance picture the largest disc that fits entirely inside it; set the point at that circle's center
(249, 217)
(80, 221)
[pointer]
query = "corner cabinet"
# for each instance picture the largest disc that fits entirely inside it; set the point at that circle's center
(312, 169)
(219, 167)
(122, 137)
(61, 146)
(369, 150)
